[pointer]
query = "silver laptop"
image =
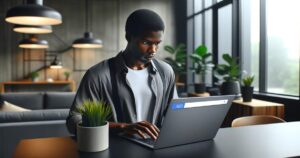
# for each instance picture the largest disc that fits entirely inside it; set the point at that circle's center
(189, 120)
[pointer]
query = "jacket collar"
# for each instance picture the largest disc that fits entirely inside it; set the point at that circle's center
(120, 65)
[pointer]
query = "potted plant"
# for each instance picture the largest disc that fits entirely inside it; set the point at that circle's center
(230, 73)
(201, 63)
(247, 89)
(34, 76)
(92, 132)
(67, 75)
(178, 59)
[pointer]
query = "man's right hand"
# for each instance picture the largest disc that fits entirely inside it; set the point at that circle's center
(143, 129)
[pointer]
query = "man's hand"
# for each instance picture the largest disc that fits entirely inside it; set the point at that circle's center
(143, 129)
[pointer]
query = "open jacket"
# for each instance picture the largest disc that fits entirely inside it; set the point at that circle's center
(106, 81)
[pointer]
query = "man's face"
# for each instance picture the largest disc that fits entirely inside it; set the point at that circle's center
(145, 47)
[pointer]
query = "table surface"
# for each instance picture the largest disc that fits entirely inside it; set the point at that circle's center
(257, 103)
(260, 141)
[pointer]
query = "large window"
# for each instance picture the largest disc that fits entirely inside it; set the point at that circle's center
(283, 46)
(224, 32)
(263, 34)
(250, 34)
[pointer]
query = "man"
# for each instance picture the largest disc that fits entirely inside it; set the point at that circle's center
(137, 86)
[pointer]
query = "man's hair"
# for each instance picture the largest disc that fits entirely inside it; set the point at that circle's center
(141, 21)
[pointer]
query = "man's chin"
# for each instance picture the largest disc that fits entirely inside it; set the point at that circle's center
(147, 60)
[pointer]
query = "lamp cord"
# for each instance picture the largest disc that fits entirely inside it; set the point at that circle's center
(86, 16)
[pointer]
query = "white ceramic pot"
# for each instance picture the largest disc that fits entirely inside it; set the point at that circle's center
(92, 139)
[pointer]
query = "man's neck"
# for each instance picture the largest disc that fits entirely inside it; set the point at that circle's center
(133, 63)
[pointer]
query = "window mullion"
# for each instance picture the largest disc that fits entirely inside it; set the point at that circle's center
(263, 48)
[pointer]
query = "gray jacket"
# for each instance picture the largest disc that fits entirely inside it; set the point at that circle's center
(97, 84)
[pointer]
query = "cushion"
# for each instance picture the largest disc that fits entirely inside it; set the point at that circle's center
(6, 106)
(58, 100)
(34, 115)
(33, 101)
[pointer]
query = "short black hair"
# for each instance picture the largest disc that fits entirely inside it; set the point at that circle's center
(141, 21)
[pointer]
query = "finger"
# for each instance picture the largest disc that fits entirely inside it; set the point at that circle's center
(152, 127)
(147, 131)
(140, 133)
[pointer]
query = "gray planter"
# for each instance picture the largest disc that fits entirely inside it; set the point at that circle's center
(247, 93)
(92, 139)
(231, 88)
(200, 87)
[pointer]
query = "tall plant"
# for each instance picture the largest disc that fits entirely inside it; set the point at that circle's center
(178, 59)
(200, 60)
(229, 71)
(94, 113)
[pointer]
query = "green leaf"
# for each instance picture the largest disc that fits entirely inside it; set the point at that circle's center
(227, 58)
(169, 49)
(201, 50)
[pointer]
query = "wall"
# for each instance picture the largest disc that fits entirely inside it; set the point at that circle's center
(106, 20)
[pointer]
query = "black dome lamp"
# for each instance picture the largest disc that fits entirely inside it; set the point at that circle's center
(33, 13)
(30, 29)
(33, 43)
(87, 41)
(55, 64)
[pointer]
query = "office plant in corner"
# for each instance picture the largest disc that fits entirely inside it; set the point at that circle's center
(178, 59)
(200, 65)
(230, 73)
(92, 132)
(247, 89)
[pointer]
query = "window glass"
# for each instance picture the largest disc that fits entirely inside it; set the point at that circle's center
(250, 32)
(224, 32)
(198, 5)
(208, 29)
(198, 30)
(189, 8)
(283, 46)
(208, 3)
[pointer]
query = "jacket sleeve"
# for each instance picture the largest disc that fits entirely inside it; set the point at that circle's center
(89, 89)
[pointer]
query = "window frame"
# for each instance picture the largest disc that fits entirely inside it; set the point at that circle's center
(236, 41)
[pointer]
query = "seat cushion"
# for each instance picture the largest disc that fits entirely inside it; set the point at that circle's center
(35, 115)
(58, 100)
(33, 101)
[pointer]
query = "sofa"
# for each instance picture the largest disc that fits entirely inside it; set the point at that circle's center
(49, 111)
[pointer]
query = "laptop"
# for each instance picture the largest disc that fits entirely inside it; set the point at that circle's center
(189, 120)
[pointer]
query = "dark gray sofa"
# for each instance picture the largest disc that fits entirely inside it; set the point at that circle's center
(47, 118)
(44, 106)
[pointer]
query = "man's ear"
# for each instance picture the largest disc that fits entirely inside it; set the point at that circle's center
(128, 37)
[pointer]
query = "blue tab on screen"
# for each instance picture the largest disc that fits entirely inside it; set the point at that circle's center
(176, 106)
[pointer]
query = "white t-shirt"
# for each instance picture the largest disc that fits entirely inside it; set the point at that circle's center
(143, 95)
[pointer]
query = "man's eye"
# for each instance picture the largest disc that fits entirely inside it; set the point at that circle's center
(146, 43)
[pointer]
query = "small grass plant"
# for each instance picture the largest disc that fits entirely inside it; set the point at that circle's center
(248, 80)
(94, 113)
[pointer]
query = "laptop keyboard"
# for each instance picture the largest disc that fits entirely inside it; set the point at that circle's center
(147, 141)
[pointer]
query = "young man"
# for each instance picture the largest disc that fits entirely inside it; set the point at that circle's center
(137, 86)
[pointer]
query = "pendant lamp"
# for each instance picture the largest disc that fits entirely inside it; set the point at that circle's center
(30, 29)
(87, 41)
(33, 13)
(33, 43)
(55, 64)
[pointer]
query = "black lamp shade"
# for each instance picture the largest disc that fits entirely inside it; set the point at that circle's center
(33, 13)
(30, 29)
(87, 41)
(33, 43)
(55, 64)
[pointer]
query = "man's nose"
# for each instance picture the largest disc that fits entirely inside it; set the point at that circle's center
(153, 48)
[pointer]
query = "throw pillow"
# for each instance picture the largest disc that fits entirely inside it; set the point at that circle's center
(9, 107)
